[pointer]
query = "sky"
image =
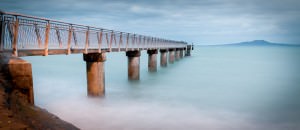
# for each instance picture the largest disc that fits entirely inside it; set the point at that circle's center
(202, 22)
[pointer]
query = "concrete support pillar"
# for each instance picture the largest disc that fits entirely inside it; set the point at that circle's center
(171, 55)
(95, 73)
(177, 54)
(152, 60)
(181, 53)
(133, 64)
(19, 73)
(163, 58)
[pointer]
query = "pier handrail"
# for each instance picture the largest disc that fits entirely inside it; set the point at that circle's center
(30, 35)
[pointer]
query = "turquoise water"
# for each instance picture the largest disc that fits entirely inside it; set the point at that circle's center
(217, 88)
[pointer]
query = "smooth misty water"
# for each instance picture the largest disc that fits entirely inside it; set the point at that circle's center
(253, 88)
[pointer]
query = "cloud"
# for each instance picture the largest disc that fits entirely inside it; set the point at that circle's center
(206, 21)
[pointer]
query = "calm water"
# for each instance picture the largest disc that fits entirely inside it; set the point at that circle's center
(217, 88)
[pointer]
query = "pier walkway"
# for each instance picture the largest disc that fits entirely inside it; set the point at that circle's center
(24, 35)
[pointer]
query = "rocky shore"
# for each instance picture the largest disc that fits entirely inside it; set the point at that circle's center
(16, 113)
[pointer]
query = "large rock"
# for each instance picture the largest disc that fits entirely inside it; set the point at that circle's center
(19, 73)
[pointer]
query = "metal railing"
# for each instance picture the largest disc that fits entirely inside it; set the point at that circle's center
(27, 33)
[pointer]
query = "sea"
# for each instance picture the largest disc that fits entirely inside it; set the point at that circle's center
(216, 88)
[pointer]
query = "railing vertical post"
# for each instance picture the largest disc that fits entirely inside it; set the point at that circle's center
(156, 43)
(2, 32)
(137, 42)
(144, 43)
(153, 46)
(148, 42)
(99, 41)
(87, 40)
(69, 39)
(38, 35)
(47, 38)
(75, 37)
(120, 41)
(133, 42)
(127, 41)
(114, 36)
(58, 37)
(107, 40)
(152, 43)
(140, 42)
(110, 42)
(15, 39)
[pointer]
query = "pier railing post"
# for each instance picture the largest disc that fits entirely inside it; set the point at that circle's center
(133, 65)
(15, 38)
(171, 55)
(2, 32)
(152, 60)
(163, 58)
(95, 73)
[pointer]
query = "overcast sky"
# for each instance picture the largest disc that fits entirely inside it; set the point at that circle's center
(197, 21)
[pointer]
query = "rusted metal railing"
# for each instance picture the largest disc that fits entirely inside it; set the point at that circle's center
(21, 33)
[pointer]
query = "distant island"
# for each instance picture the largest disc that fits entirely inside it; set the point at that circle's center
(258, 43)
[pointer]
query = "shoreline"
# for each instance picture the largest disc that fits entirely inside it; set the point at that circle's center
(17, 113)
